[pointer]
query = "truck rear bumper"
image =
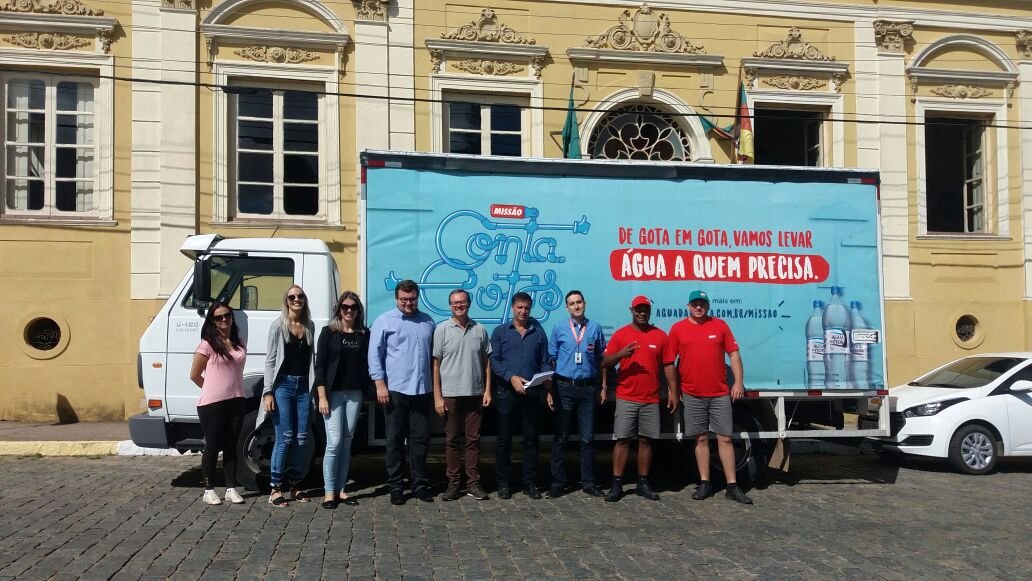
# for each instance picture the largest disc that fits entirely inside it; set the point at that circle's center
(148, 431)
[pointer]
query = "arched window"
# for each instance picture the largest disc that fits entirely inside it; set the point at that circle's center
(639, 131)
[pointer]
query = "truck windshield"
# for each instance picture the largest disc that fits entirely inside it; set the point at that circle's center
(969, 372)
(248, 283)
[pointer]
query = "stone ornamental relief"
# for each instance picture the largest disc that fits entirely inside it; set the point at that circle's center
(961, 92)
(47, 40)
(488, 67)
(186, 4)
(893, 36)
(793, 47)
(276, 54)
(1024, 42)
(645, 31)
(375, 10)
(795, 83)
(64, 7)
(487, 29)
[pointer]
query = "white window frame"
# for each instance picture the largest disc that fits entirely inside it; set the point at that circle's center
(277, 152)
(287, 77)
(996, 194)
(78, 67)
(486, 102)
(822, 132)
(833, 145)
(504, 90)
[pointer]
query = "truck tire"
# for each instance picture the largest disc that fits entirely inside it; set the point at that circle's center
(974, 450)
(254, 453)
(750, 453)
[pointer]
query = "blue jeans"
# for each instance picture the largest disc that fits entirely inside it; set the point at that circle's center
(573, 402)
(293, 404)
(340, 429)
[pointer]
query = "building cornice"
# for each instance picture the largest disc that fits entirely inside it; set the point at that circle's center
(958, 75)
(837, 12)
(646, 58)
(482, 48)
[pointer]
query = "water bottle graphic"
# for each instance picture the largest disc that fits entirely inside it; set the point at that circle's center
(815, 347)
(836, 342)
(859, 353)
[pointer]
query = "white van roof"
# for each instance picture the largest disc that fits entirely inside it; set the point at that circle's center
(195, 245)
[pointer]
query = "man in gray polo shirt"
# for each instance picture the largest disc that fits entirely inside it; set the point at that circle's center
(462, 371)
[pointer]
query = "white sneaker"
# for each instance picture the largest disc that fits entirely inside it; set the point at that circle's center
(233, 496)
(210, 497)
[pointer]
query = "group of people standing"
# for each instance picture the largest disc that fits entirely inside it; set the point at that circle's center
(335, 364)
(454, 369)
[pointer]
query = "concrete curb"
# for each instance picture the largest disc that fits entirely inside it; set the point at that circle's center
(58, 448)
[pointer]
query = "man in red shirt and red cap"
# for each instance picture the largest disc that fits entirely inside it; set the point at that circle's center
(695, 359)
(638, 348)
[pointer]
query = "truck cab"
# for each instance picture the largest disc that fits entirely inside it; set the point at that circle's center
(250, 275)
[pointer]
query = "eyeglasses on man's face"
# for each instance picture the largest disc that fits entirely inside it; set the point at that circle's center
(296, 298)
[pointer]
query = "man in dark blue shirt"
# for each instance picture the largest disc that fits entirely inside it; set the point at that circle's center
(519, 350)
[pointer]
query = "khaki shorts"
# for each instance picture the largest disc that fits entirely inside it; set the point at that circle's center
(636, 419)
(707, 414)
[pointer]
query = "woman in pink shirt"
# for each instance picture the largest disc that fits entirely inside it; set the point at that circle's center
(218, 369)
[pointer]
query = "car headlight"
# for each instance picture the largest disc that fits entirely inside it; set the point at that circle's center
(930, 409)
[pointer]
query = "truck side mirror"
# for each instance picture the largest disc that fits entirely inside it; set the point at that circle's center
(202, 282)
(1021, 385)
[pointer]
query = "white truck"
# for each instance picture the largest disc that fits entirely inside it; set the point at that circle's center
(790, 257)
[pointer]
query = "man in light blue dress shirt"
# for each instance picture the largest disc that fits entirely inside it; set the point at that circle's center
(400, 343)
(576, 347)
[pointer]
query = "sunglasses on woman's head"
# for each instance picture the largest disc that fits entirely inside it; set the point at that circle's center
(224, 317)
(298, 297)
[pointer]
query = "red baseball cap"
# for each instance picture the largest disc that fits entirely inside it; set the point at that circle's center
(641, 300)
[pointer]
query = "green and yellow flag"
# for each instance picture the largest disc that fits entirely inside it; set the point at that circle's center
(743, 134)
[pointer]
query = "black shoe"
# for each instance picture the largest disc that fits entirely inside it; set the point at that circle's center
(532, 491)
(736, 494)
(644, 491)
(424, 495)
(615, 492)
(350, 501)
(476, 492)
(590, 490)
(397, 497)
(504, 493)
(703, 491)
(452, 493)
(330, 504)
(554, 492)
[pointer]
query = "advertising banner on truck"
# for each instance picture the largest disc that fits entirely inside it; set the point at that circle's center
(792, 266)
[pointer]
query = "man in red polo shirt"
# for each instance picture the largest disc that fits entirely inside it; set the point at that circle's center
(695, 351)
(639, 350)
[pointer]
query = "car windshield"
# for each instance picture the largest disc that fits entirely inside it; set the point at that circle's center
(969, 372)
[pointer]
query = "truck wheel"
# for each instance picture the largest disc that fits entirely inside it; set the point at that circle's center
(254, 453)
(973, 450)
(750, 453)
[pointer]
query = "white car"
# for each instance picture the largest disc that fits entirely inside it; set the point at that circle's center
(970, 411)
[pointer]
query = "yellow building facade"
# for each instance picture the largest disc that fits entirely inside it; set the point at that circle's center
(130, 125)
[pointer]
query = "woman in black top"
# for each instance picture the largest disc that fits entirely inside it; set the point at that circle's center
(341, 375)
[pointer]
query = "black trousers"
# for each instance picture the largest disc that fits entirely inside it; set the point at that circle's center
(408, 417)
(221, 423)
(528, 407)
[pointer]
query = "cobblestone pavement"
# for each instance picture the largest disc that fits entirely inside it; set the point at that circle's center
(835, 517)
